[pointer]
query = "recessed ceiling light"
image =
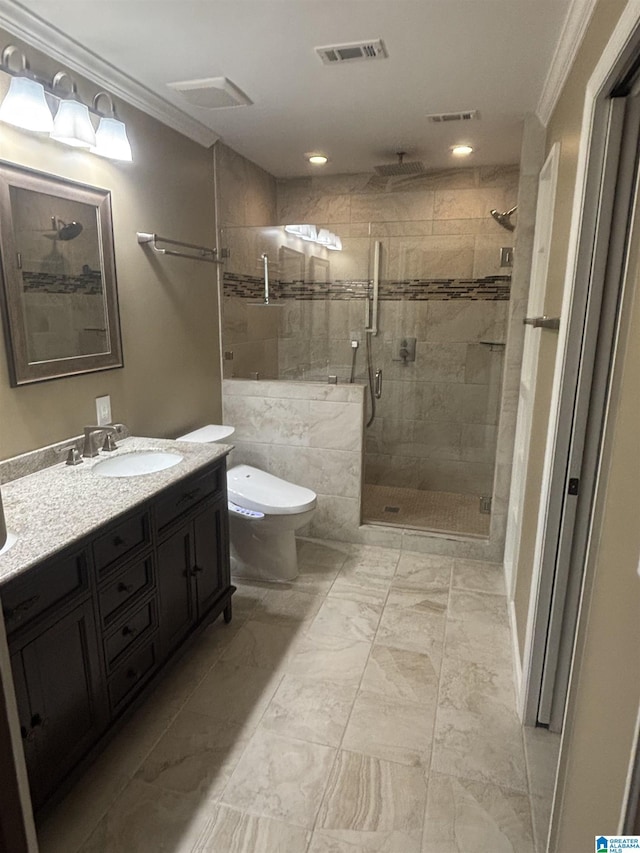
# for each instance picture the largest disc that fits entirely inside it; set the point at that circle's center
(318, 159)
(461, 150)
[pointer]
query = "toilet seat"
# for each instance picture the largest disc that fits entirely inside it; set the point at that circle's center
(254, 489)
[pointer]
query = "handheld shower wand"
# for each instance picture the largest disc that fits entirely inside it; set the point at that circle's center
(504, 219)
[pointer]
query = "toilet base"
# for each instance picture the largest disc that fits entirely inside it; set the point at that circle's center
(261, 554)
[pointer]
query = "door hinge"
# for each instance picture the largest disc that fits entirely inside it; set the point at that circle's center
(574, 486)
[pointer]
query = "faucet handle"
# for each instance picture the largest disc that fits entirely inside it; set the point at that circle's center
(74, 457)
(109, 442)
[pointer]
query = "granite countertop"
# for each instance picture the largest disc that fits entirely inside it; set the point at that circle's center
(54, 507)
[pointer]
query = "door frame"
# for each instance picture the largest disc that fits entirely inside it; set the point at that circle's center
(575, 368)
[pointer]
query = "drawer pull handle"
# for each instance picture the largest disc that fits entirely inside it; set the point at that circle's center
(118, 541)
(24, 733)
(129, 632)
(37, 720)
(125, 587)
(19, 610)
(196, 570)
(188, 496)
(133, 674)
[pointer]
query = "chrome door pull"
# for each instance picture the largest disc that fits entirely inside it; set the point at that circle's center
(542, 322)
(378, 385)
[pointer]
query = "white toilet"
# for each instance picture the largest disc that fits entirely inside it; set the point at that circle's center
(264, 513)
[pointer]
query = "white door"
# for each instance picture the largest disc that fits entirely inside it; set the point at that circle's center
(535, 306)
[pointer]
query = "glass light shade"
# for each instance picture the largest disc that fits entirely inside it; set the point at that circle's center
(336, 245)
(310, 233)
(72, 125)
(325, 237)
(111, 140)
(25, 106)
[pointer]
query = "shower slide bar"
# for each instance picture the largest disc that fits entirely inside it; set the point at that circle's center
(151, 240)
(371, 318)
(543, 322)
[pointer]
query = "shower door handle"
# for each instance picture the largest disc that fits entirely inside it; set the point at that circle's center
(378, 385)
(542, 322)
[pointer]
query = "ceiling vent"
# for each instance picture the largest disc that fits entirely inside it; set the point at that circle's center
(334, 54)
(441, 118)
(211, 93)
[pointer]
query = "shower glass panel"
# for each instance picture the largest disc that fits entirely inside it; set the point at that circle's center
(442, 319)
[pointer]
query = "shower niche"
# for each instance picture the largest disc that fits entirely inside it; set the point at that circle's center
(436, 346)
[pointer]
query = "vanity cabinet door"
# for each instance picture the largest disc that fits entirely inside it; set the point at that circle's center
(61, 699)
(211, 554)
(175, 579)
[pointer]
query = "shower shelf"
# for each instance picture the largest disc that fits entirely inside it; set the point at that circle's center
(205, 253)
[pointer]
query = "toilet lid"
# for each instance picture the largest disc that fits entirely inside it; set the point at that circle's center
(252, 488)
(205, 434)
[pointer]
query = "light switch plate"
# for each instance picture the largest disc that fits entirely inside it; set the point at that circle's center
(103, 410)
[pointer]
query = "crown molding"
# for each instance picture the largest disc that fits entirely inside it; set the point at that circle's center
(32, 30)
(571, 35)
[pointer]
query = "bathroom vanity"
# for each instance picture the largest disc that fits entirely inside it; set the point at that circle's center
(93, 614)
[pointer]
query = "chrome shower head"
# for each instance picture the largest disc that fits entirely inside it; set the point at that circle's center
(504, 219)
(63, 230)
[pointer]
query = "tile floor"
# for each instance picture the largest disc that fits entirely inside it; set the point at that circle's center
(422, 509)
(368, 706)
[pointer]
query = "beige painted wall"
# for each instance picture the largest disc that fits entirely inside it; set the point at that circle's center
(564, 128)
(168, 306)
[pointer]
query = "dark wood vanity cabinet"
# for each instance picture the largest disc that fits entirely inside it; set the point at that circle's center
(89, 628)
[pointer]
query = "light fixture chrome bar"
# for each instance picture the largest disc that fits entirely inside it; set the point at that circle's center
(552, 323)
(372, 308)
(205, 253)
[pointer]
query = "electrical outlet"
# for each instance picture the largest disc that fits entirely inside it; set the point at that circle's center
(103, 410)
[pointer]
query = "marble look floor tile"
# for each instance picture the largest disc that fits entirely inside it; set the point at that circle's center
(309, 710)
(478, 606)
(400, 674)
(316, 580)
(478, 642)
(236, 694)
(262, 644)
(287, 607)
(418, 600)
(319, 552)
(485, 747)
(360, 587)
(391, 729)
(335, 659)
(146, 819)
(353, 618)
(227, 830)
(366, 794)
(411, 622)
(423, 572)
(197, 754)
(464, 816)
(470, 686)
(280, 778)
(479, 576)
(245, 598)
(350, 841)
(376, 561)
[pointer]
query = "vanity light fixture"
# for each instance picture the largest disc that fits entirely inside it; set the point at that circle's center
(461, 150)
(111, 136)
(24, 105)
(72, 123)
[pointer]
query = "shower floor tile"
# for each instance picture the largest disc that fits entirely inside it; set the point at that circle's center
(446, 512)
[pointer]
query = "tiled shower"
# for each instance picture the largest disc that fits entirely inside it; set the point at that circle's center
(429, 452)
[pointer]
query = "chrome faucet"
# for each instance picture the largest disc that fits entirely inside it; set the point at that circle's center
(89, 448)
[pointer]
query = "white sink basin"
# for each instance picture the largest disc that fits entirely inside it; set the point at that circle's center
(137, 463)
(11, 540)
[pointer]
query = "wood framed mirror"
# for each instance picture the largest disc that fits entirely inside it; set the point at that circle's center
(59, 295)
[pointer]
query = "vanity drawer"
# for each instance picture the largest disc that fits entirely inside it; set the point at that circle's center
(139, 623)
(131, 675)
(44, 589)
(130, 584)
(180, 500)
(123, 540)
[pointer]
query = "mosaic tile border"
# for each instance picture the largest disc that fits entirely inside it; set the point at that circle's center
(495, 288)
(89, 283)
